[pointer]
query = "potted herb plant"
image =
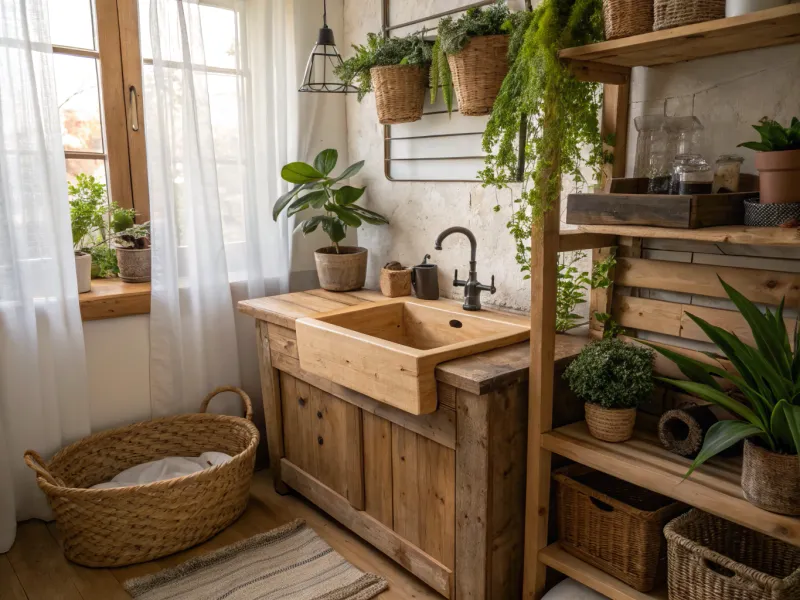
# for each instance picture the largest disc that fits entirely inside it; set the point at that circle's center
(397, 69)
(340, 268)
(765, 398)
(612, 378)
(778, 161)
(470, 54)
(132, 246)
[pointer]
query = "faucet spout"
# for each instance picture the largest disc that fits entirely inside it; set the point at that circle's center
(473, 243)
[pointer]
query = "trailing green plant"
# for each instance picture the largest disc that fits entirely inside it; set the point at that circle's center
(554, 115)
(572, 284)
(612, 374)
(378, 52)
(453, 35)
(315, 189)
(775, 137)
(766, 394)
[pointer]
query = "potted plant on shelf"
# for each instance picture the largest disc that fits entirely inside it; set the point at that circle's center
(471, 54)
(397, 69)
(765, 398)
(340, 268)
(612, 378)
(132, 246)
(777, 161)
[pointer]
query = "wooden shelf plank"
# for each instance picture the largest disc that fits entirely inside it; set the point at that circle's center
(556, 557)
(771, 27)
(714, 487)
(726, 234)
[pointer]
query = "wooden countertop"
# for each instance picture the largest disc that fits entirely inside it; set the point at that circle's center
(478, 374)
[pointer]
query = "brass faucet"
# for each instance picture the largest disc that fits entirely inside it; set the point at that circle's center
(472, 289)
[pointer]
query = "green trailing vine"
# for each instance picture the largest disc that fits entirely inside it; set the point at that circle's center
(572, 285)
(557, 114)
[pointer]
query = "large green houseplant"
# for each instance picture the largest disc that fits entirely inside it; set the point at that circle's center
(765, 396)
(340, 268)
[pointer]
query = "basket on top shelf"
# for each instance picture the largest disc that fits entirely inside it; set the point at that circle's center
(624, 18)
(674, 13)
(711, 558)
(128, 525)
(614, 525)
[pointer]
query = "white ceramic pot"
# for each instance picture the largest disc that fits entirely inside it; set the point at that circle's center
(734, 8)
(83, 270)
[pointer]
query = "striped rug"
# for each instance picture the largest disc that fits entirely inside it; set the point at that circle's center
(288, 563)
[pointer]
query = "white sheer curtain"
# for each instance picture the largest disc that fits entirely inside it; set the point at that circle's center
(43, 387)
(211, 228)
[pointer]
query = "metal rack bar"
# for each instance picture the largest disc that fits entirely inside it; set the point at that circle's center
(452, 11)
(434, 158)
(434, 135)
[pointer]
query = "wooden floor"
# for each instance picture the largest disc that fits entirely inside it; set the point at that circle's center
(35, 568)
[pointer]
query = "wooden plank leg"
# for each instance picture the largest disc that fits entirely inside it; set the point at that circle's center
(271, 394)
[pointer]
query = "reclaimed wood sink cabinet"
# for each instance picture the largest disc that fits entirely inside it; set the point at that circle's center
(442, 493)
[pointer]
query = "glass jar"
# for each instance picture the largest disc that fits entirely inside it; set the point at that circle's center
(691, 175)
(726, 174)
(652, 161)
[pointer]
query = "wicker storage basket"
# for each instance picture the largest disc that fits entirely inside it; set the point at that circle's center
(395, 280)
(399, 92)
(713, 559)
(614, 525)
(610, 424)
(478, 72)
(674, 13)
(624, 18)
(127, 525)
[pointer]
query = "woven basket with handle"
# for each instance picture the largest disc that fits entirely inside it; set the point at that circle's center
(128, 525)
(674, 13)
(478, 72)
(399, 92)
(624, 18)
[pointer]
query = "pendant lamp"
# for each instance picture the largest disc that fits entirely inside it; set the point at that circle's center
(324, 58)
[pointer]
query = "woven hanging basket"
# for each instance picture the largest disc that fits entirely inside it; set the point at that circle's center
(770, 480)
(399, 92)
(624, 18)
(478, 72)
(127, 525)
(714, 559)
(610, 424)
(674, 13)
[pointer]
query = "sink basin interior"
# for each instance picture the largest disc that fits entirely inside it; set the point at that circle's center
(419, 326)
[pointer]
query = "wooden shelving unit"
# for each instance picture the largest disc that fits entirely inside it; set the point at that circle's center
(715, 487)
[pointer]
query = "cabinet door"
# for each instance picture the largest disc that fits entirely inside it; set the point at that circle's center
(322, 435)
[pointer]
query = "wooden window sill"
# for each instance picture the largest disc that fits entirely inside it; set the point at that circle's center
(112, 298)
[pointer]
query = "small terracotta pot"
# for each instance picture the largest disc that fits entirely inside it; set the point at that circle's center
(342, 272)
(610, 424)
(134, 264)
(779, 176)
(83, 270)
(770, 480)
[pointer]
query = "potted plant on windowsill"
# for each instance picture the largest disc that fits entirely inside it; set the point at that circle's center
(766, 400)
(132, 246)
(777, 161)
(397, 69)
(340, 268)
(612, 378)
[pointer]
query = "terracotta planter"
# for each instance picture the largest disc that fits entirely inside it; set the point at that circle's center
(770, 480)
(478, 72)
(779, 176)
(399, 92)
(610, 424)
(83, 270)
(342, 272)
(134, 265)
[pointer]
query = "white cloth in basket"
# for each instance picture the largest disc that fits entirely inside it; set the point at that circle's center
(569, 589)
(166, 468)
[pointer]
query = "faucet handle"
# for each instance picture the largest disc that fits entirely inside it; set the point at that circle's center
(492, 289)
(488, 288)
(456, 281)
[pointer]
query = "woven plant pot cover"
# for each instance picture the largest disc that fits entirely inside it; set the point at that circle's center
(610, 424)
(399, 92)
(128, 525)
(770, 480)
(624, 18)
(478, 72)
(769, 215)
(674, 13)
(714, 559)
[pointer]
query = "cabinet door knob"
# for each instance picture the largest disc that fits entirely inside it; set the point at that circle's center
(301, 401)
(319, 414)
(320, 440)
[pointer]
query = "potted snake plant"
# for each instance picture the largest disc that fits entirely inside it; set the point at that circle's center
(340, 268)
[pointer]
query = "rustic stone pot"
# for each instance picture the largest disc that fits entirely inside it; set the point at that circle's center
(342, 272)
(610, 424)
(770, 480)
(134, 264)
(779, 176)
(83, 270)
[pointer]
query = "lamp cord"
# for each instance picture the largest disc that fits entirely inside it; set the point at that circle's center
(324, 13)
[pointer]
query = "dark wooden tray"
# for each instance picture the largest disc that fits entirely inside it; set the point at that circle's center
(629, 204)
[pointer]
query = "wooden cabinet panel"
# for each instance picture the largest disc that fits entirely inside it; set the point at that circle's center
(378, 467)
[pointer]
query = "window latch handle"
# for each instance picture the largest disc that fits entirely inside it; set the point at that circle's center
(133, 113)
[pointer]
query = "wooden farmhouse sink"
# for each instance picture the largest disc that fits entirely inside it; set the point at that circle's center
(389, 350)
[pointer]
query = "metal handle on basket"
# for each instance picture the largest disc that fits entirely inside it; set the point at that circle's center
(248, 405)
(35, 462)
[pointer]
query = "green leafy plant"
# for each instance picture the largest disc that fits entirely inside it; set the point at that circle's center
(104, 261)
(612, 374)
(315, 189)
(775, 137)
(545, 115)
(136, 237)
(380, 51)
(766, 395)
(572, 284)
(454, 34)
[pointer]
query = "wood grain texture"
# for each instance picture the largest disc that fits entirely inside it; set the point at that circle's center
(378, 467)
(354, 461)
(614, 126)
(405, 484)
(726, 234)
(271, 397)
(437, 490)
(574, 239)
(10, 586)
(112, 298)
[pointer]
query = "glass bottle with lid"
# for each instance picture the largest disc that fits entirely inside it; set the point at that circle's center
(726, 173)
(652, 160)
(691, 175)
